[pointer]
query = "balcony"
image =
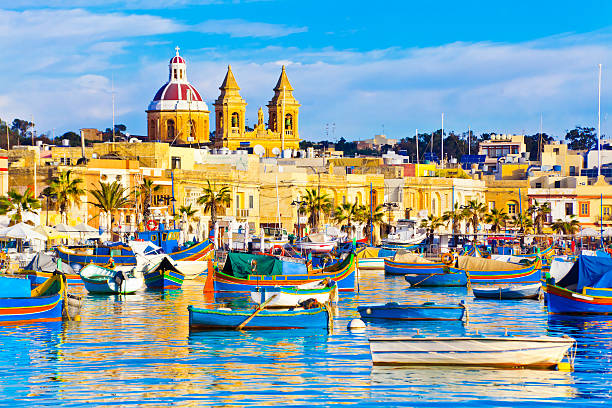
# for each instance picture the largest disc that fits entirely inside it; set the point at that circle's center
(235, 131)
(288, 132)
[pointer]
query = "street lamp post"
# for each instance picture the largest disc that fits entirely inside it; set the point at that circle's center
(389, 207)
(299, 204)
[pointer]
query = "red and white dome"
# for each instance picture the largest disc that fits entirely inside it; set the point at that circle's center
(177, 93)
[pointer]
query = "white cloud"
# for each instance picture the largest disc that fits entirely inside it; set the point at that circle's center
(241, 28)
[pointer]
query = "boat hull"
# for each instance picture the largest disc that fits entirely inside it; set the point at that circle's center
(38, 278)
(289, 297)
(316, 247)
(399, 268)
(506, 352)
(207, 319)
(130, 285)
(26, 310)
(198, 252)
(508, 292)
(563, 301)
(529, 274)
(84, 259)
(371, 263)
(412, 312)
(436, 279)
(163, 280)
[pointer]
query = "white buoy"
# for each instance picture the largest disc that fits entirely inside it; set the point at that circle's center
(356, 325)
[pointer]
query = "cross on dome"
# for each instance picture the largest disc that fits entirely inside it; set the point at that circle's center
(177, 50)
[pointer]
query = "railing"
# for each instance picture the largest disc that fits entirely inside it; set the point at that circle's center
(242, 213)
(235, 131)
(288, 132)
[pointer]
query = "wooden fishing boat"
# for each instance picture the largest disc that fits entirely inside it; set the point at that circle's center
(405, 262)
(316, 243)
(226, 319)
(371, 258)
(244, 272)
(585, 290)
(98, 279)
(488, 271)
(97, 255)
(322, 291)
(529, 291)
(163, 276)
(446, 278)
(43, 266)
(19, 305)
(425, 311)
(506, 352)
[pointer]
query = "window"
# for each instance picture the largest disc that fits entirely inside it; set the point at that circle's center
(235, 120)
(288, 121)
(251, 201)
(538, 185)
(569, 208)
(237, 201)
(558, 184)
(170, 129)
(175, 76)
(572, 170)
(176, 162)
(606, 211)
(584, 209)
(491, 205)
(556, 150)
(511, 208)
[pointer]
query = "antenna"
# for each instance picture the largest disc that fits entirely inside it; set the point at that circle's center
(442, 143)
(416, 136)
(540, 140)
(113, 101)
(469, 140)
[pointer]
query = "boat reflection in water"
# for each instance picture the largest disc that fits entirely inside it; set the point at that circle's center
(439, 383)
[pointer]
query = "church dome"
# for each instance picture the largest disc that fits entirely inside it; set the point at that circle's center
(177, 93)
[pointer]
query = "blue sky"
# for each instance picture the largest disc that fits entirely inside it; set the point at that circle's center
(494, 66)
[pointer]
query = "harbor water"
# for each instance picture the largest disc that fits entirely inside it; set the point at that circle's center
(138, 350)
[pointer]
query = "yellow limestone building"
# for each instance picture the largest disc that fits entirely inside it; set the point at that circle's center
(279, 135)
(178, 114)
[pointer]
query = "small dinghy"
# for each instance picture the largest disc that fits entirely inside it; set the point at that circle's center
(425, 311)
(259, 319)
(163, 275)
(504, 352)
(500, 292)
(322, 291)
(99, 279)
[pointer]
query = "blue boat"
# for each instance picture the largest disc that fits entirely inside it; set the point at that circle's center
(19, 305)
(396, 268)
(446, 278)
(163, 276)
(585, 290)
(530, 291)
(489, 272)
(425, 311)
(121, 254)
(209, 319)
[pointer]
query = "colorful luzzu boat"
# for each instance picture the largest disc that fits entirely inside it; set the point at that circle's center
(425, 311)
(245, 272)
(20, 305)
(405, 262)
(42, 267)
(488, 271)
(585, 290)
(121, 254)
(163, 276)
(371, 258)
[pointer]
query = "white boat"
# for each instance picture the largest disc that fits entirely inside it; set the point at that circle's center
(98, 279)
(148, 256)
(406, 233)
(371, 264)
(507, 351)
(191, 269)
(322, 291)
(316, 243)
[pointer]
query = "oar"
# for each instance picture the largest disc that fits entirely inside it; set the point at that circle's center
(256, 312)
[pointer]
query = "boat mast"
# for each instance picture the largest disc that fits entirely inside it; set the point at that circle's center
(599, 125)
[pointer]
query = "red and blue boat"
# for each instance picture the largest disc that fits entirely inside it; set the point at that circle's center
(489, 272)
(24, 306)
(408, 263)
(42, 267)
(245, 272)
(585, 290)
(163, 276)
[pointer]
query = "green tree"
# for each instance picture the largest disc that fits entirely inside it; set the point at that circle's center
(431, 224)
(145, 194)
(65, 190)
(497, 218)
(348, 212)
(215, 200)
(581, 138)
(539, 212)
(109, 198)
(17, 204)
(370, 218)
(315, 204)
(474, 212)
(454, 218)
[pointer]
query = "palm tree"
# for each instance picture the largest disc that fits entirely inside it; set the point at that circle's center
(558, 227)
(431, 224)
(187, 212)
(569, 227)
(539, 213)
(215, 200)
(497, 218)
(65, 191)
(454, 217)
(146, 190)
(315, 203)
(370, 218)
(347, 212)
(110, 197)
(18, 204)
(474, 211)
(524, 224)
